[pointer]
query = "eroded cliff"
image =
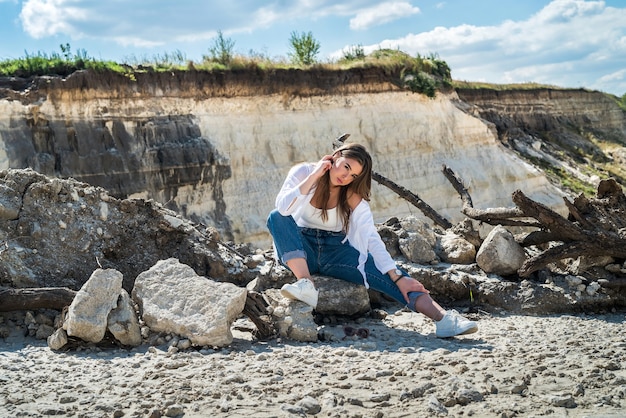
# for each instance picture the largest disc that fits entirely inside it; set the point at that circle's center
(581, 133)
(216, 146)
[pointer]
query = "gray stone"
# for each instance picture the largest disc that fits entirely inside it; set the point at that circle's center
(293, 319)
(417, 249)
(9, 203)
(123, 322)
(88, 312)
(499, 253)
(412, 224)
(44, 331)
(339, 297)
(310, 405)
(58, 339)
(173, 299)
(454, 249)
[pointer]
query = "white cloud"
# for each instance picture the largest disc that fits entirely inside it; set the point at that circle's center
(142, 22)
(619, 75)
(551, 46)
(48, 17)
(382, 13)
(138, 42)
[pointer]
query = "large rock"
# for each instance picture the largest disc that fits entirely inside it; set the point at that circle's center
(67, 229)
(455, 249)
(499, 253)
(87, 317)
(339, 297)
(123, 322)
(417, 249)
(293, 319)
(173, 299)
(58, 339)
(416, 240)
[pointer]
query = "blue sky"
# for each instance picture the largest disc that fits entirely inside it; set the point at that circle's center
(568, 43)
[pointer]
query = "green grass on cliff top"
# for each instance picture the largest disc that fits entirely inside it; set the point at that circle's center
(67, 62)
(420, 74)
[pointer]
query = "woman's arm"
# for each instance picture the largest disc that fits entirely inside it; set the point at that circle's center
(300, 181)
(363, 221)
(287, 200)
(383, 260)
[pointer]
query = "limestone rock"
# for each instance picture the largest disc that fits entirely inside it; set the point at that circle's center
(413, 224)
(58, 339)
(499, 253)
(123, 322)
(455, 249)
(417, 249)
(293, 319)
(9, 203)
(172, 298)
(88, 312)
(338, 297)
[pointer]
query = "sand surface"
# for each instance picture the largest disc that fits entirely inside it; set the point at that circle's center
(514, 366)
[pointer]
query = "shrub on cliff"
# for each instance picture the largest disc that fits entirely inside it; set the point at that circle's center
(222, 50)
(622, 102)
(420, 82)
(304, 48)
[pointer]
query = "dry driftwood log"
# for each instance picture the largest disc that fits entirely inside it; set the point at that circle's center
(594, 227)
(256, 310)
(35, 298)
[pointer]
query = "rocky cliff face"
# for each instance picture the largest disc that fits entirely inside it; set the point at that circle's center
(578, 132)
(216, 147)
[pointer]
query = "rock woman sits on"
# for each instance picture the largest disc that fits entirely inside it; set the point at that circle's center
(323, 225)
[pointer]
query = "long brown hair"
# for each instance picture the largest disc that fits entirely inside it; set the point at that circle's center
(362, 185)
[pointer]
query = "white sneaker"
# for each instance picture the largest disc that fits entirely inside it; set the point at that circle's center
(303, 290)
(453, 324)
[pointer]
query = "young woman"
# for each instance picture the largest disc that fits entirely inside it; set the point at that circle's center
(323, 225)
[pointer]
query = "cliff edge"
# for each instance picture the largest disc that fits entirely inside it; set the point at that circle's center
(215, 147)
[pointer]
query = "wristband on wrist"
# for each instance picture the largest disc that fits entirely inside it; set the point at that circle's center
(400, 275)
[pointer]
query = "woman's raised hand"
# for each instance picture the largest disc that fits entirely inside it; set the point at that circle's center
(320, 168)
(323, 166)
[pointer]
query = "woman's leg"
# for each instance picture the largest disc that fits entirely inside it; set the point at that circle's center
(299, 268)
(341, 260)
(424, 304)
(297, 253)
(291, 248)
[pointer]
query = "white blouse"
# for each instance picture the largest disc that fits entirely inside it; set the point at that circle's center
(312, 218)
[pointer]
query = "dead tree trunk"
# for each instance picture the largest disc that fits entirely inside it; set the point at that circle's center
(578, 238)
(256, 310)
(414, 199)
(594, 227)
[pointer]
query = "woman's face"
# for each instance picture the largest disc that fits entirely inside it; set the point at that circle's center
(344, 170)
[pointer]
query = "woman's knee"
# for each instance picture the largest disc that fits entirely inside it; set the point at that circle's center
(271, 217)
(276, 221)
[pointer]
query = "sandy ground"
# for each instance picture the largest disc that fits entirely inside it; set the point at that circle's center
(514, 366)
